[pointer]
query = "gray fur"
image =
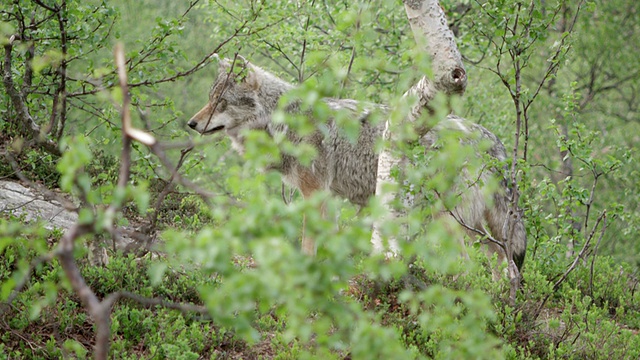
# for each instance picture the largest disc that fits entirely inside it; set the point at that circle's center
(245, 99)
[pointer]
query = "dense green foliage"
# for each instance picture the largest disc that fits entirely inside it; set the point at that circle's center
(563, 73)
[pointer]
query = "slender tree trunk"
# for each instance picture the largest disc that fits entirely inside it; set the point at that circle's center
(432, 33)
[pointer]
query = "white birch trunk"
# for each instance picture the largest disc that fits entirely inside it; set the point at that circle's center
(431, 31)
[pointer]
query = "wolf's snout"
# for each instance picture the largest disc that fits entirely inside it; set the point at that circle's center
(192, 124)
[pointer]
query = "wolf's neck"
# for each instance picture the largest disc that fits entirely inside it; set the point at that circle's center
(271, 90)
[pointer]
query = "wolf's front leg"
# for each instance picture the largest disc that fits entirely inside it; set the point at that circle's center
(308, 244)
(308, 184)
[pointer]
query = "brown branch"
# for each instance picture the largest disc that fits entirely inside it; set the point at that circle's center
(596, 176)
(27, 79)
(26, 125)
(192, 4)
(346, 77)
(98, 313)
(14, 94)
(40, 3)
(125, 165)
(60, 101)
(154, 45)
(580, 256)
(277, 47)
(150, 302)
(153, 217)
(162, 156)
(595, 251)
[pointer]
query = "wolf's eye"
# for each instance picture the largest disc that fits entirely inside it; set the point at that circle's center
(222, 105)
(247, 101)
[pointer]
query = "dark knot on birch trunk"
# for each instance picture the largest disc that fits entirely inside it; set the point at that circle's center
(459, 77)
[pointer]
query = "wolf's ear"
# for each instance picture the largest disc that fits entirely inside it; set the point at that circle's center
(252, 74)
(252, 80)
(243, 60)
(223, 64)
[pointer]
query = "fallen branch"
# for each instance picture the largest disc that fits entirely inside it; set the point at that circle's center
(150, 302)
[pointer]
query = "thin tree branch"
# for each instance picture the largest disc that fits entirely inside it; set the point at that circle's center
(27, 125)
(575, 262)
(595, 252)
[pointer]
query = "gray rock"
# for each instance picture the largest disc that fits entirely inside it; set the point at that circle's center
(22, 201)
(33, 205)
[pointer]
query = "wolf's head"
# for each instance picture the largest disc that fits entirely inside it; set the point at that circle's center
(234, 102)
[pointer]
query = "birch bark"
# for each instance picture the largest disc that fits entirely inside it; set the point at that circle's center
(432, 33)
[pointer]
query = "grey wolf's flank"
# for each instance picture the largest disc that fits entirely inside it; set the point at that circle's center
(347, 168)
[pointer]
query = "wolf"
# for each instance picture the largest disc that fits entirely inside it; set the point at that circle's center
(244, 96)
